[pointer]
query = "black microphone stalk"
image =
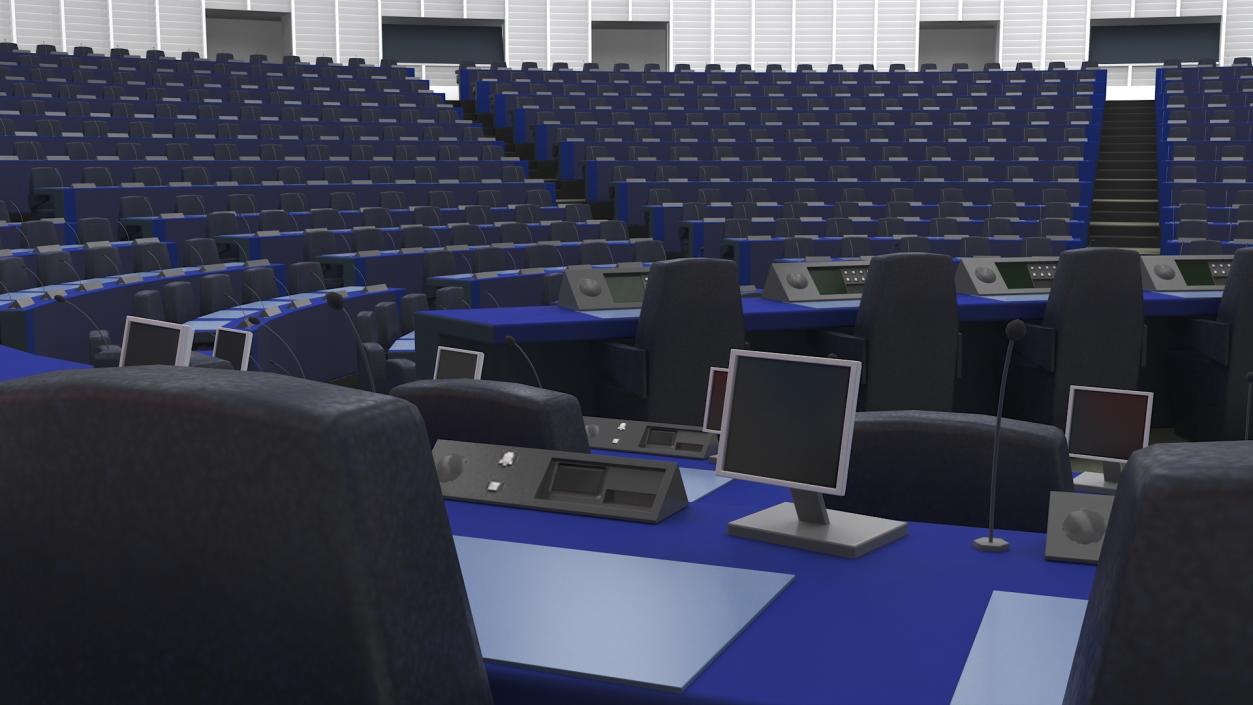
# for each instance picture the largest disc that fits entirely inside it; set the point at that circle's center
(335, 300)
(514, 342)
(1015, 330)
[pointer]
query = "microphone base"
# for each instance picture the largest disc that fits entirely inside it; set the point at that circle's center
(987, 545)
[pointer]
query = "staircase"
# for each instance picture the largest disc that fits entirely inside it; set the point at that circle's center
(1124, 199)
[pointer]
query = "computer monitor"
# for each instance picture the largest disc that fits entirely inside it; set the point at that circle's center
(1107, 425)
(149, 342)
(715, 398)
(454, 363)
(788, 421)
(234, 346)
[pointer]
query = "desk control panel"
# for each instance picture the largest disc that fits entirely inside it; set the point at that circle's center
(1185, 272)
(555, 481)
(817, 281)
(645, 437)
(1000, 276)
(603, 288)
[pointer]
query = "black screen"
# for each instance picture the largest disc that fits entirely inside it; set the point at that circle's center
(716, 400)
(151, 345)
(229, 346)
(626, 288)
(1195, 272)
(1107, 424)
(786, 420)
(454, 364)
(828, 280)
(1015, 274)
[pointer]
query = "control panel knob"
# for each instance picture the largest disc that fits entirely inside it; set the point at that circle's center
(590, 287)
(797, 280)
(449, 467)
(985, 274)
(1164, 271)
(592, 430)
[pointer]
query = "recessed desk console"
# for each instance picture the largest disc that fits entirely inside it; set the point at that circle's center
(817, 280)
(646, 437)
(1000, 276)
(1185, 272)
(555, 481)
(602, 288)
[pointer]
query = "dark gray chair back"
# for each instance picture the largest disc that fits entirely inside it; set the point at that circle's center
(103, 262)
(303, 277)
(1173, 585)
(180, 302)
(215, 293)
(318, 566)
(934, 467)
(504, 413)
(56, 268)
(691, 318)
(148, 304)
(908, 318)
(199, 251)
(259, 284)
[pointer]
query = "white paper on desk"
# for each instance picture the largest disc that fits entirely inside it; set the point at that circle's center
(614, 313)
(1194, 294)
(697, 482)
(839, 303)
(1018, 298)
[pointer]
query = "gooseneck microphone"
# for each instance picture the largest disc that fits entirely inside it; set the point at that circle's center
(155, 260)
(256, 323)
(514, 342)
(352, 254)
(335, 300)
(1015, 330)
(62, 299)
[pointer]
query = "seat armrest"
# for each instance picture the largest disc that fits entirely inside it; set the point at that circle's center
(626, 366)
(1210, 338)
(846, 346)
(401, 371)
(1039, 347)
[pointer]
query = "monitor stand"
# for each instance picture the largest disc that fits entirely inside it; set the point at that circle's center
(1104, 482)
(807, 524)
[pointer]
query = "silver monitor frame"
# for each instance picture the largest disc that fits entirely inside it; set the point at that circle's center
(478, 365)
(182, 356)
(1148, 417)
(247, 334)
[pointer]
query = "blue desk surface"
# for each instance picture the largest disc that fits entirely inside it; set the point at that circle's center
(15, 363)
(555, 324)
(895, 626)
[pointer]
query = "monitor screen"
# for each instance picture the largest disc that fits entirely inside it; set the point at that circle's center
(234, 346)
(828, 280)
(789, 420)
(149, 342)
(452, 363)
(1195, 272)
(1016, 275)
(626, 288)
(1108, 424)
(715, 398)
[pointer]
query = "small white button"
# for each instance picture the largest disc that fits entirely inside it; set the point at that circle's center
(622, 426)
(506, 460)
(614, 442)
(493, 486)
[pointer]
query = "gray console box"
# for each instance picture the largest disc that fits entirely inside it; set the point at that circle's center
(831, 280)
(1185, 272)
(647, 437)
(573, 483)
(1001, 276)
(603, 288)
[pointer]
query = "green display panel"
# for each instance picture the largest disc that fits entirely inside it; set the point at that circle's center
(1195, 272)
(626, 288)
(828, 280)
(1016, 275)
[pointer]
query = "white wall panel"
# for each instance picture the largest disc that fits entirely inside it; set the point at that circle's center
(86, 24)
(813, 32)
(690, 33)
(650, 10)
(774, 33)
(1111, 8)
(526, 31)
(359, 29)
(486, 9)
(940, 10)
(401, 8)
(1201, 7)
(134, 24)
(981, 10)
(610, 10)
(854, 32)
(898, 33)
(314, 29)
(38, 23)
(181, 26)
(1067, 31)
(1155, 8)
(732, 32)
(441, 8)
(570, 38)
(1020, 32)
(1239, 31)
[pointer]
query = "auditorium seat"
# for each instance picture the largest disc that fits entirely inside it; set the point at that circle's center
(503, 413)
(1092, 334)
(204, 572)
(690, 320)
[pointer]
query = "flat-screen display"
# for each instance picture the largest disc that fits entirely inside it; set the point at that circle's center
(1108, 424)
(234, 346)
(454, 363)
(626, 288)
(1016, 275)
(789, 420)
(715, 398)
(149, 342)
(1195, 272)
(828, 280)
